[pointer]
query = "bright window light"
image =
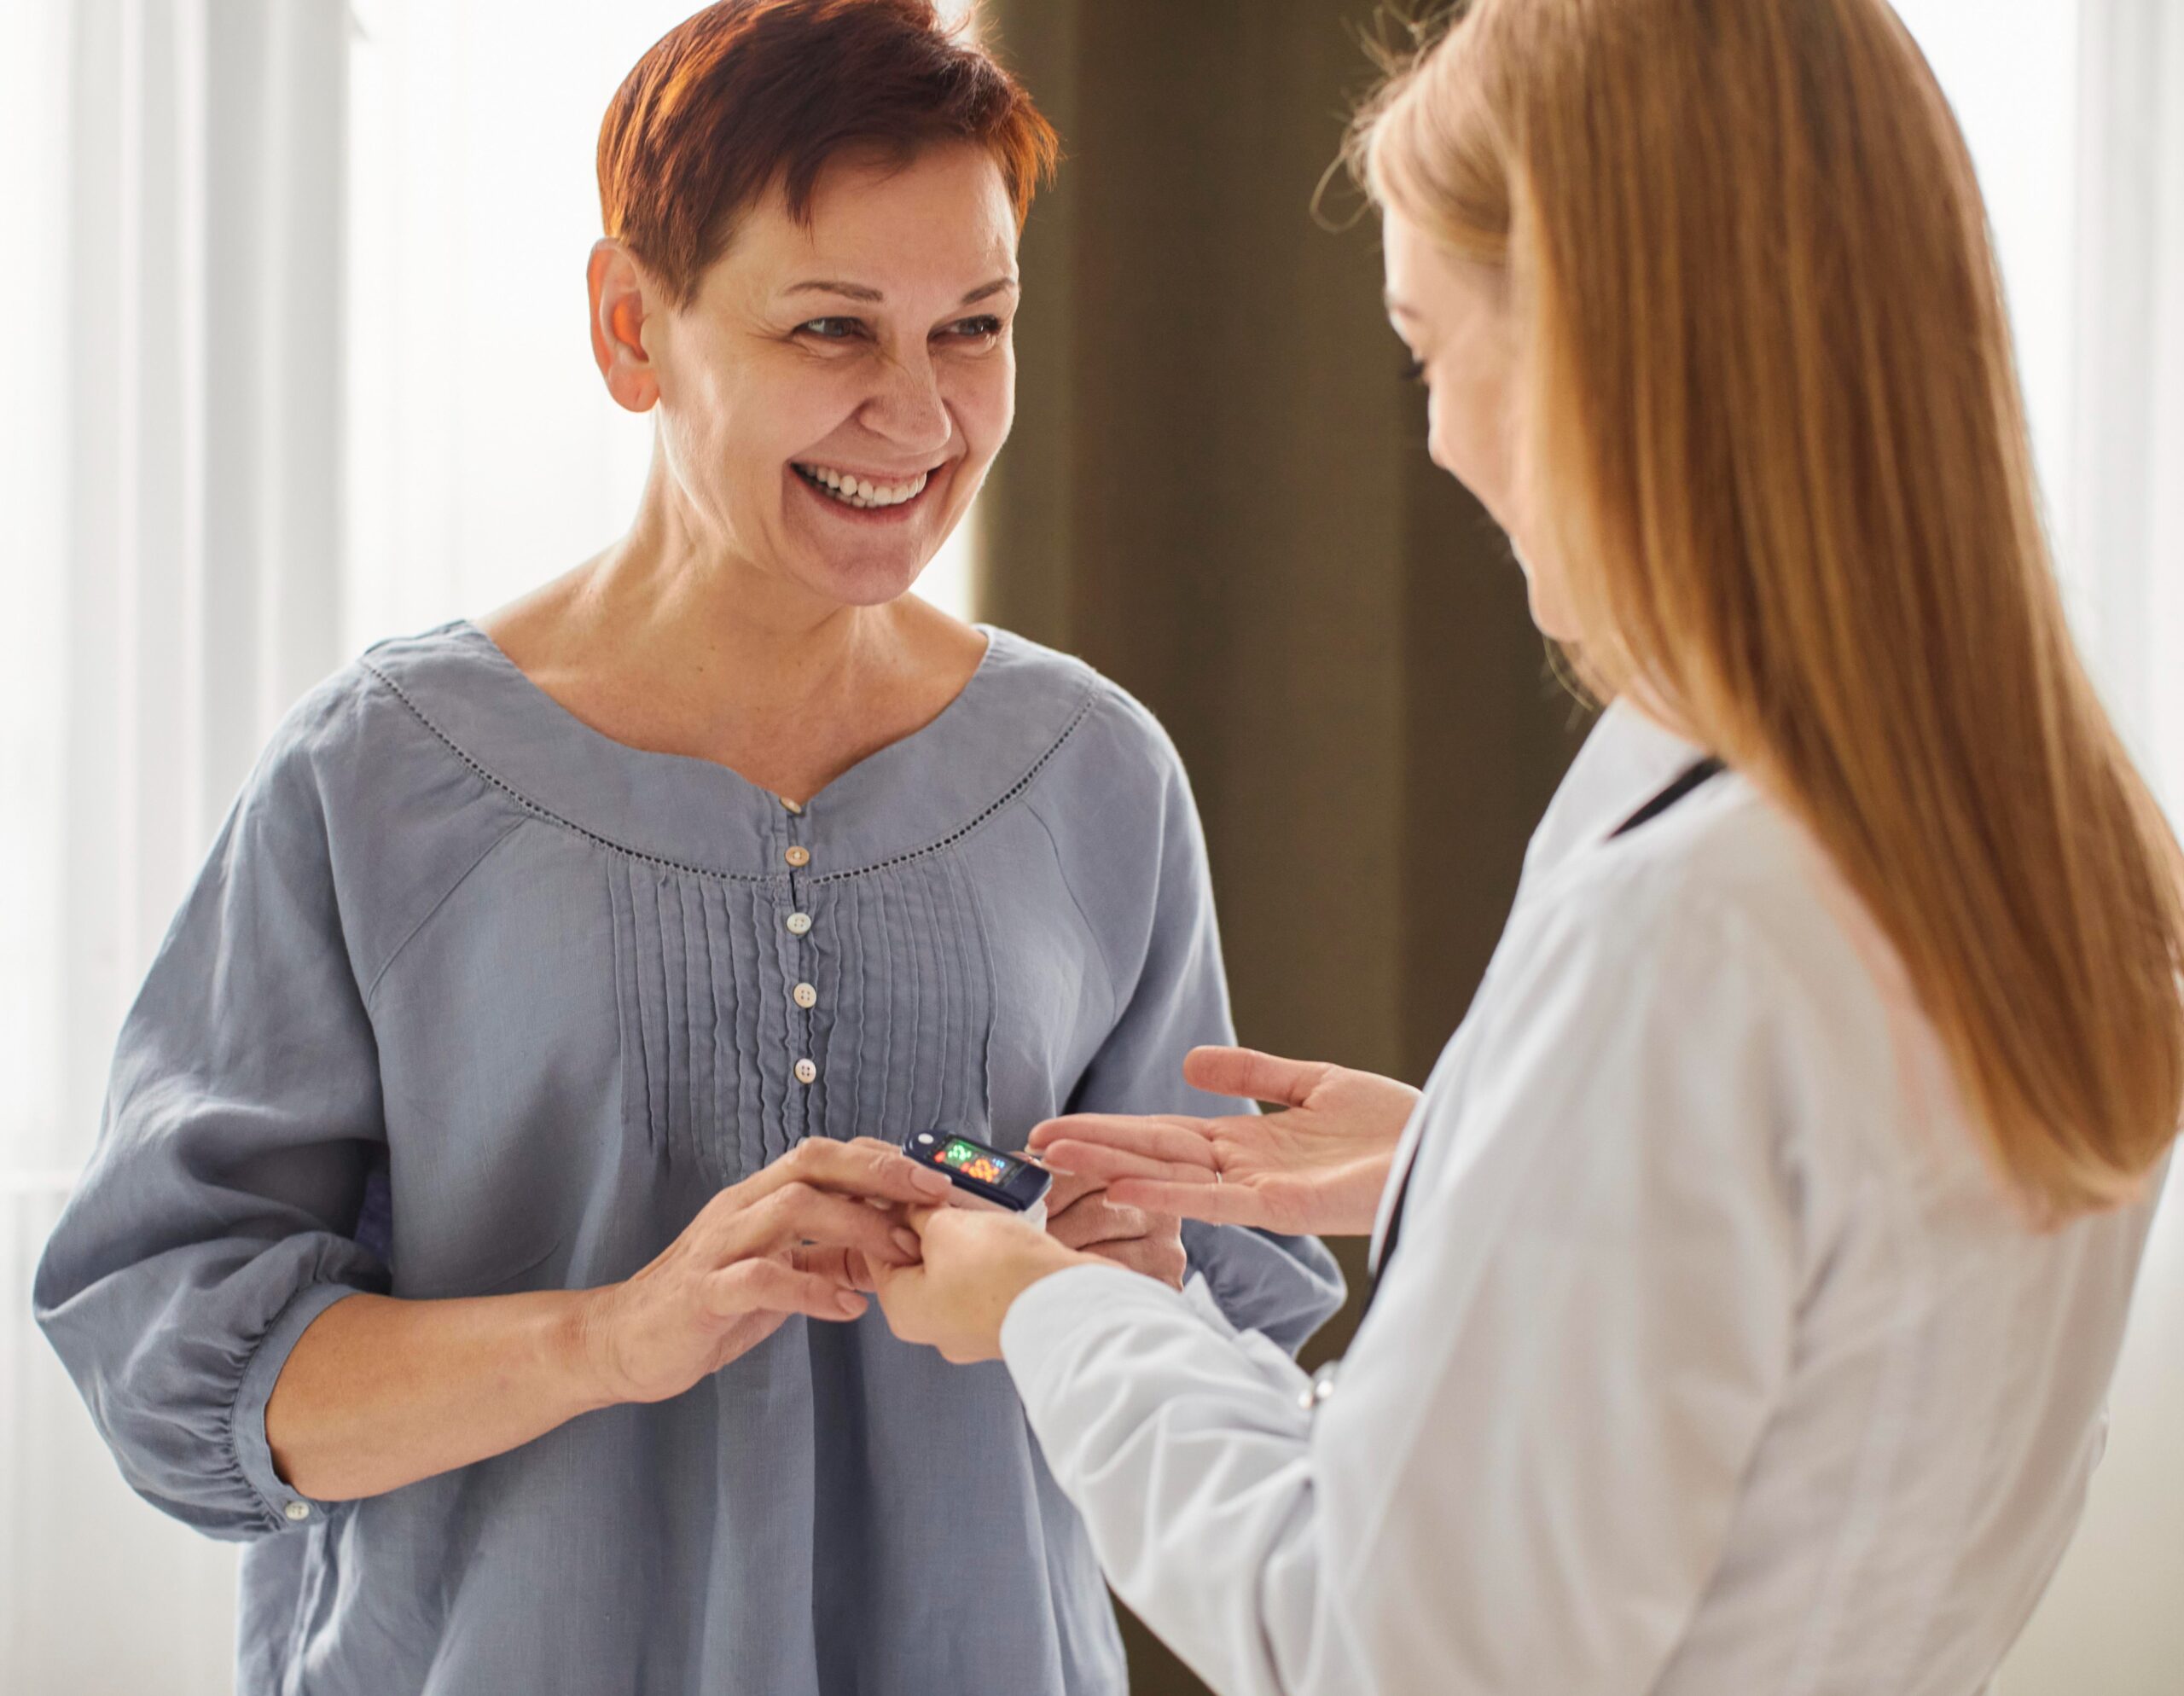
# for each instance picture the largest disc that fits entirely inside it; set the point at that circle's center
(2009, 68)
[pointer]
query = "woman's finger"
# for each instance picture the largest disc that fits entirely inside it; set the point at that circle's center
(1251, 1076)
(776, 1287)
(1099, 1219)
(920, 1218)
(1177, 1142)
(846, 1266)
(797, 1213)
(1226, 1204)
(1104, 1164)
(1067, 1189)
(866, 1168)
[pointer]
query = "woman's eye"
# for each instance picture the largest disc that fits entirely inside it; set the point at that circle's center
(976, 329)
(832, 329)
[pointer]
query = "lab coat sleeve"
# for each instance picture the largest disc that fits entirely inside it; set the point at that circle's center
(1526, 1472)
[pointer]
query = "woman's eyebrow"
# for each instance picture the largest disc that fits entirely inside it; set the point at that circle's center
(857, 291)
(854, 291)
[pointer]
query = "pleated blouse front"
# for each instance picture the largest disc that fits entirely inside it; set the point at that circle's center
(470, 999)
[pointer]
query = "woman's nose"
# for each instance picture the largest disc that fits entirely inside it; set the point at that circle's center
(908, 409)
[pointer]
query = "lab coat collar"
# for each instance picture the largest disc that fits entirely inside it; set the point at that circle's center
(1627, 760)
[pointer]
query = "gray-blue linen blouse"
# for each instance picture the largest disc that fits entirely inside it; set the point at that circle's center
(470, 998)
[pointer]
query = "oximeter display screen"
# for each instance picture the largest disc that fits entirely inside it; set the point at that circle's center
(974, 1160)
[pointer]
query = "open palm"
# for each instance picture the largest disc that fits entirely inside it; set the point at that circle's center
(1318, 1165)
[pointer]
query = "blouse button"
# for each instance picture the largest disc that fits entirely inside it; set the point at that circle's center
(805, 1071)
(798, 857)
(798, 923)
(298, 1510)
(792, 806)
(805, 996)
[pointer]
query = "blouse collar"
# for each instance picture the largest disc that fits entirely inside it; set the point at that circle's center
(696, 815)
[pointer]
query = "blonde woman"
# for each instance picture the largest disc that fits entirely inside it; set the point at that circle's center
(1754, 1264)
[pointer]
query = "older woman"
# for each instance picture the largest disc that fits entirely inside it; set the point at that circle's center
(485, 1142)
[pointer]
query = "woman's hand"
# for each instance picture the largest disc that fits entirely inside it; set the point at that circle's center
(801, 1236)
(975, 1262)
(1317, 1167)
(1081, 1215)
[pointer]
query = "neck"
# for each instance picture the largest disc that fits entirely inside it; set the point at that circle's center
(673, 590)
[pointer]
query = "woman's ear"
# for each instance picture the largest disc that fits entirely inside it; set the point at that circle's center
(619, 311)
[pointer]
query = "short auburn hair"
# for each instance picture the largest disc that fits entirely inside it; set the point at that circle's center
(749, 93)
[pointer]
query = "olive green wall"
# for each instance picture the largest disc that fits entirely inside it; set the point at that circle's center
(1218, 493)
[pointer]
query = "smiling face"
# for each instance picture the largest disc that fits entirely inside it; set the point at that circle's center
(832, 397)
(1454, 316)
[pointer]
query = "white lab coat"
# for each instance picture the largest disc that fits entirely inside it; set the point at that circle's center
(1710, 1363)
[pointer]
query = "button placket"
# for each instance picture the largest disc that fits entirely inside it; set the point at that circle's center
(799, 924)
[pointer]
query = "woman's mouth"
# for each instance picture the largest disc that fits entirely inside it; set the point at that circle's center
(862, 494)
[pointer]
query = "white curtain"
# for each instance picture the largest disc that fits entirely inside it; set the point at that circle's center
(172, 481)
(2127, 459)
(2111, 1621)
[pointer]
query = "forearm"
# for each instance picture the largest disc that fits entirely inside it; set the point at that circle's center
(379, 1393)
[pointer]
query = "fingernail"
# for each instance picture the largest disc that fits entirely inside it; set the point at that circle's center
(929, 1181)
(850, 1305)
(907, 1240)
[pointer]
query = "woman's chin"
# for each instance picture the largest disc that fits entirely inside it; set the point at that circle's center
(1549, 616)
(871, 581)
(859, 558)
(1555, 629)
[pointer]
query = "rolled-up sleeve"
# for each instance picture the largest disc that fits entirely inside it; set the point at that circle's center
(213, 1223)
(1283, 1286)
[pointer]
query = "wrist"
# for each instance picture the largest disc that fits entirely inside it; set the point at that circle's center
(1040, 1264)
(581, 1343)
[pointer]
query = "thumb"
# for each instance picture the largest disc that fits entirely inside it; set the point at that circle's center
(1251, 1076)
(918, 1218)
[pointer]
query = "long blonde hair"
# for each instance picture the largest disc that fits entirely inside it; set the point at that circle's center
(1773, 417)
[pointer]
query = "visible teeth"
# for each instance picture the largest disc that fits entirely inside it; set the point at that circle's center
(855, 492)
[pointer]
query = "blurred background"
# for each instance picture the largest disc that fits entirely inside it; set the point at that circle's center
(298, 360)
